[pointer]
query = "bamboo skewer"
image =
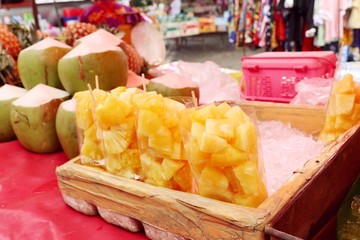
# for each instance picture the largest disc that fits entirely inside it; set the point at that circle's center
(143, 82)
(194, 98)
(97, 82)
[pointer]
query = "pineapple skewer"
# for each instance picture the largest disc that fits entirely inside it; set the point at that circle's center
(98, 129)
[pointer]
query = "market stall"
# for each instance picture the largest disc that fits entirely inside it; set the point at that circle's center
(99, 138)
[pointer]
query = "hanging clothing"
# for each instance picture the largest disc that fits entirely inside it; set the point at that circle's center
(332, 15)
(354, 20)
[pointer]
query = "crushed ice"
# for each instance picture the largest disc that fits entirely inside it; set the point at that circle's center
(284, 150)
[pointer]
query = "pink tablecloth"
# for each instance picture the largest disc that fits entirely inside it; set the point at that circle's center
(31, 206)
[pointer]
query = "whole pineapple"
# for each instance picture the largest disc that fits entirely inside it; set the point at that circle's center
(135, 61)
(8, 69)
(9, 42)
(75, 31)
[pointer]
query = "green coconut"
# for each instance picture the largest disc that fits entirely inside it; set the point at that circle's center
(38, 63)
(172, 84)
(66, 128)
(8, 94)
(33, 118)
(100, 36)
(86, 61)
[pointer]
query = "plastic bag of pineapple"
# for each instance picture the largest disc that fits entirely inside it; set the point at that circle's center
(162, 155)
(222, 148)
(107, 120)
(343, 109)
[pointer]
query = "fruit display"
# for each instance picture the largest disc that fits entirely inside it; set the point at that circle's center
(8, 94)
(221, 146)
(66, 128)
(33, 118)
(173, 84)
(81, 65)
(343, 109)
(140, 135)
(39, 63)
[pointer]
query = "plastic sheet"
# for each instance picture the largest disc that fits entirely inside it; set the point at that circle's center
(31, 206)
(313, 91)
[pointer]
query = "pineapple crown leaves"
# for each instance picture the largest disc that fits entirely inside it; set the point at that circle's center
(8, 72)
(27, 35)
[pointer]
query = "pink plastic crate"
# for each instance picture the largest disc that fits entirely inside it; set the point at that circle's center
(271, 76)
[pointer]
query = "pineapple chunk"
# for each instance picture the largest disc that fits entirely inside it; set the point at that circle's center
(176, 133)
(329, 124)
(119, 137)
(185, 119)
(176, 152)
(235, 185)
(248, 200)
(183, 178)
(149, 123)
(171, 114)
(223, 108)
(112, 112)
(248, 176)
(357, 94)
(91, 146)
(355, 115)
(170, 167)
(213, 183)
(161, 141)
(92, 150)
(194, 155)
(197, 130)
(328, 137)
(344, 103)
(211, 143)
(129, 160)
(223, 128)
(245, 137)
(230, 156)
(85, 105)
(343, 122)
(152, 170)
(236, 115)
(117, 91)
(150, 101)
(345, 85)
(204, 113)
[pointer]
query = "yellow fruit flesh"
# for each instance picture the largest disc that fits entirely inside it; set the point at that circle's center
(222, 153)
(160, 140)
(343, 109)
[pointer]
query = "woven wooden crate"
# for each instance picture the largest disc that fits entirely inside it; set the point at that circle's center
(192, 216)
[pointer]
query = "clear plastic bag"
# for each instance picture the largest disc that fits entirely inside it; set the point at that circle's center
(221, 144)
(312, 91)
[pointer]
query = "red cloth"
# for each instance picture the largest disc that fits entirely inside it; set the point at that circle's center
(31, 206)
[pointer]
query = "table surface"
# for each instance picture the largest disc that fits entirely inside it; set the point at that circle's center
(31, 205)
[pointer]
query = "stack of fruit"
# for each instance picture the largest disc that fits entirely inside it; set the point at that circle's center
(221, 146)
(109, 134)
(343, 109)
(162, 155)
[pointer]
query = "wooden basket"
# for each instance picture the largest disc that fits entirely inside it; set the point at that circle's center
(192, 216)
